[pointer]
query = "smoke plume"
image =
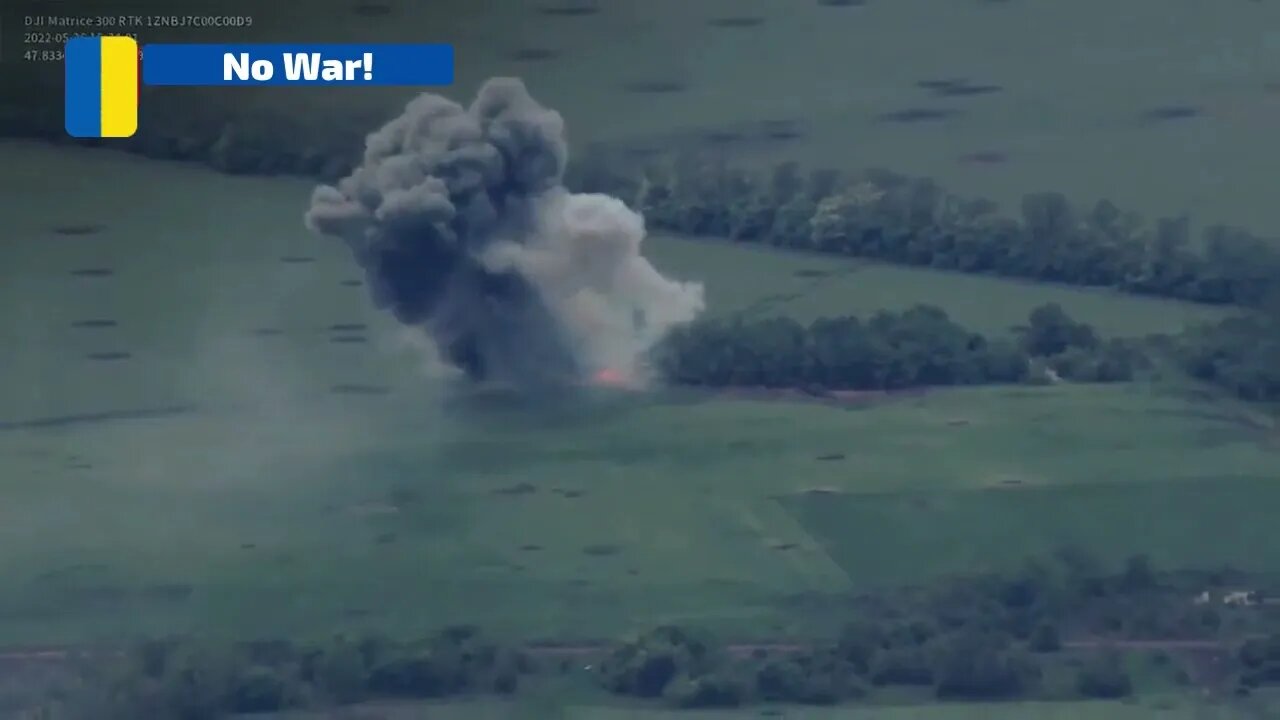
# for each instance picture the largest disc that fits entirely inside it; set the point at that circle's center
(462, 224)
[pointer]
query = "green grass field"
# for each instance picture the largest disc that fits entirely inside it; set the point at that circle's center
(933, 533)
(593, 519)
(185, 448)
(1073, 82)
(760, 281)
(214, 481)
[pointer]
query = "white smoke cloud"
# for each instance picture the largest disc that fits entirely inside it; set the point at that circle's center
(584, 258)
(461, 221)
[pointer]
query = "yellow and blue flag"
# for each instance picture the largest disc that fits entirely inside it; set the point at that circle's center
(102, 87)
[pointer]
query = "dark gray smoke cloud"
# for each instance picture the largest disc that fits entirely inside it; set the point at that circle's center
(462, 224)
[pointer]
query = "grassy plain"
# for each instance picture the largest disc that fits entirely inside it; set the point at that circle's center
(188, 443)
(743, 279)
(190, 446)
(1069, 95)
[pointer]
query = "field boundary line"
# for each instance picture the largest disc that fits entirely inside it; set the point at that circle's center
(740, 649)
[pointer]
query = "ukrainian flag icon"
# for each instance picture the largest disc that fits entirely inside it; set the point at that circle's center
(102, 87)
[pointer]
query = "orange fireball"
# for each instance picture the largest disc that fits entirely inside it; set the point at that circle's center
(609, 377)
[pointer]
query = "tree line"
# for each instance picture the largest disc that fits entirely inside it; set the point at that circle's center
(917, 347)
(890, 217)
(923, 347)
(885, 216)
(177, 679)
(1240, 354)
(996, 636)
(876, 214)
(992, 636)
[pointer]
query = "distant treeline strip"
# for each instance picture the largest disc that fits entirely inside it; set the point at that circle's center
(884, 216)
(875, 214)
(985, 637)
(919, 347)
(923, 347)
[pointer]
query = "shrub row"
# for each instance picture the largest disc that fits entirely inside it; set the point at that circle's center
(1240, 354)
(987, 637)
(990, 637)
(918, 347)
(171, 679)
(874, 214)
(913, 221)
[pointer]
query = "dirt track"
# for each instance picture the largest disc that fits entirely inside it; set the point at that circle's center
(55, 655)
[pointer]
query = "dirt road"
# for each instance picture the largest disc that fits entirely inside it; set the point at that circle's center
(63, 654)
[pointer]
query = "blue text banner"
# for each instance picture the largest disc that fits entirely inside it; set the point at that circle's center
(302, 64)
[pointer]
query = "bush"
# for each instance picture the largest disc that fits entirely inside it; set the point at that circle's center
(783, 680)
(1045, 639)
(974, 665)
(814, 677)
(198, 683)
(719, 689)
(262, 689)
(415, 673)
(1138, 575)
(644, 666)
(153, 656)
(1050, 331)
(338, 670)
(1260, 660)
(1240, 354)
(858, 643)
(1256, 652)
(1104, 677)
(169, 679)
(918, 347)
(902, 666)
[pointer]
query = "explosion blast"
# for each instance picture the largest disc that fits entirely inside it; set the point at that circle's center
(464, 228)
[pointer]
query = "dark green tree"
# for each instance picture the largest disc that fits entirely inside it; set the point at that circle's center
(1104, 677)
